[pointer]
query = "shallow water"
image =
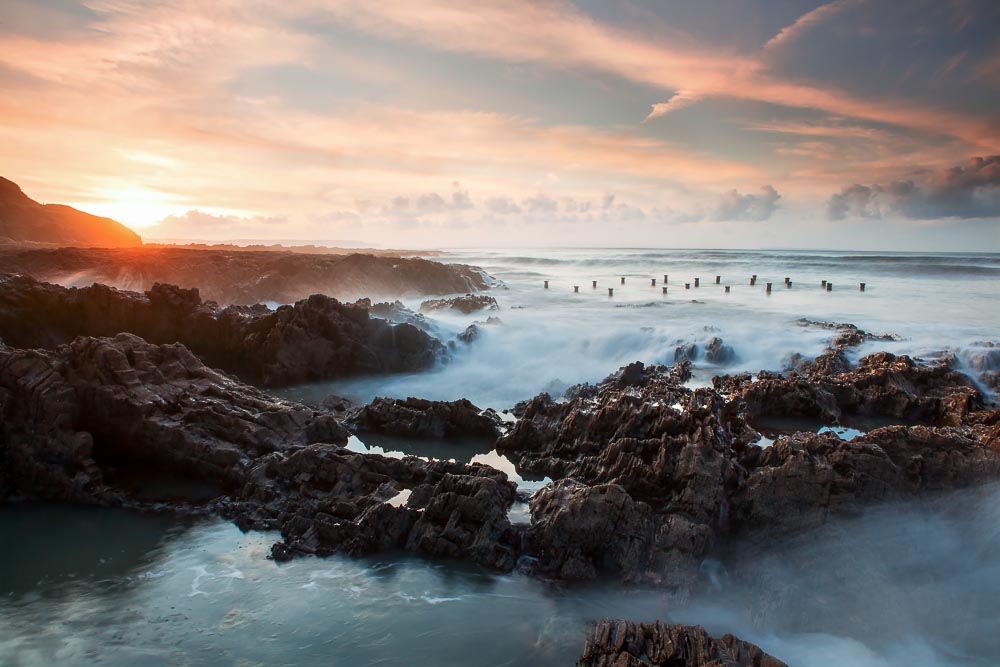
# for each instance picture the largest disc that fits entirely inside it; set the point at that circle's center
(553, 338)
(913, 586)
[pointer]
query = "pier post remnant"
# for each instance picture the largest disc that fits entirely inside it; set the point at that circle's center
(594, 282)
(769, 288)
(822, 284)
(753, 280)
(829, 287)
(665, 281)
(862, 287)
(611, 291)
(652, 282)
(687, 285)
(576, 288)
(664, 289)
(546, 284)
(727, 289)
(623, 280)
(697, 282)
(718, 279)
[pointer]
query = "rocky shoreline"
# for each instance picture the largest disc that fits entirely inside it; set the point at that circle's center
(650, 477)
(245, 277)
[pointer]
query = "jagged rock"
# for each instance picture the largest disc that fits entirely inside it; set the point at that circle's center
(803, 480)
(882, 385)
(579, 531)
(121, 405)
(425, 419)
(326, 499)
(717, 352)
(397, 313)
(467, 304)
(618, 643)
(316, 339)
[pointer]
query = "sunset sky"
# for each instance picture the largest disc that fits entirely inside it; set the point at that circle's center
(774, 123)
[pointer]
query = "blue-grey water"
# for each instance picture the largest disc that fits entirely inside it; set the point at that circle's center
(915, 586)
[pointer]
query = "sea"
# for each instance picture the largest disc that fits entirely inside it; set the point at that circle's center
(914, 585)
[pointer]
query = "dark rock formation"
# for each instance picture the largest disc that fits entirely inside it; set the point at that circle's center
(651, 476)
(618, 643)
(91, 418)
(421, 418)
(23, 220)
(715, 352)
(326, 499)
(315, 339)
(397, 313)
(467, 304)
(245, 277)
(122, 422)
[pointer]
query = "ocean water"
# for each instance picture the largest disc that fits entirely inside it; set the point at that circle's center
(912, 586)
(552, 338)
(902, 587)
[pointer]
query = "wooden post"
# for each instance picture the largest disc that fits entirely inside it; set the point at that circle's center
(753, 280)
(829, 287)
(769, 288)
(788, 284)
(665, 281)
(727, 289)
(862, 287)
(823, 284)
(594, 283)
(697, 282)
(687, 285)
(546, 284)
(664, 289)
(576, 288)
(718, 279)
(652, 282)
(611, 291)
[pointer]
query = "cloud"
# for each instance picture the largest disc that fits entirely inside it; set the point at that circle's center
(200, 225)
(680, 100)
(502, 206)
(540, 203)
(733, 206)
(965, 191)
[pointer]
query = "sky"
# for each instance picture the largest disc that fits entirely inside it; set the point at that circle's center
(859, 124)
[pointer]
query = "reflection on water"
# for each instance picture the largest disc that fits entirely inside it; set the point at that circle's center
(905, 586)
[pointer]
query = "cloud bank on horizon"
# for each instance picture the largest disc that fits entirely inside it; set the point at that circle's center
(851, 123)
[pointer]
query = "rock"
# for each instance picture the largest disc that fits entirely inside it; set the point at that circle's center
(686, 352)
(718, 353)
(239, 276)
(618, 643)
(579, 531)
(86, 421)
(467, 304)
(397, 313)
(421, 418)
(326, 499)
(882, 385)
(315, 339)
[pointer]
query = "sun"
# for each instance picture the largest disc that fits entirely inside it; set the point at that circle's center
(134, 207)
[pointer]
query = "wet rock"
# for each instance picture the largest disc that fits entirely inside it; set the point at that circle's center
(882, 386)
(315, 339)
(718, 353)
(326, 499)
(85, 421)
(397, 313)
(422, 418)
(467, 304)
(619, 643)
(686, 352)
(579, 532)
